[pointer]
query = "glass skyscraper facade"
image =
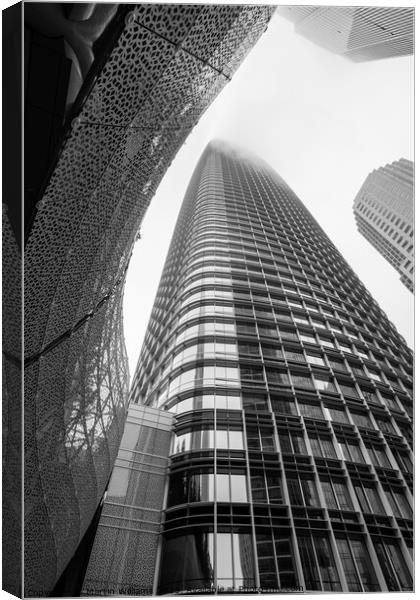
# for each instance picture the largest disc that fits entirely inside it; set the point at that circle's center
(291, 459)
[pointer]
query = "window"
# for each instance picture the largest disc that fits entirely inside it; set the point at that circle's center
(202, 439)
(302, 492)
(326, 342)
(254, 402)
(231, 439)
(292, 443)
(318, 563)
(394, 568)
(362, 420)
(337, 364)
(231, 487)
(251, 373)
(378, 456)
(199, 402)
(311, 410)
(337, 415)
(282, 405)
(302, 381)
(272, 352)
(232, 569)
(374, 375)
(403, 459)
(185, 573)
(336, 495)
(390, 402)
(276, 376)
(315, 359)
(324, 383)
(348, 390)
(266, 487)
(357, 370)
(275, 551)
(260, 439)
(368, 498)
(265, 330)
(305, 337)
(294, 356)
(351, 451)
(322, 446)
(248, 349)
(398, 502)
(209, 373)
(358, 568)
(191, 486)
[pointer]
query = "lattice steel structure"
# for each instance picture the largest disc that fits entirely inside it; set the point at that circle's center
(359, 33)
(384, 212)
(291, 464)
(165, 68)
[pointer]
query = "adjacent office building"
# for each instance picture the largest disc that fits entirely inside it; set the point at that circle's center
(359, 33)
(277, 395)
(384, 211)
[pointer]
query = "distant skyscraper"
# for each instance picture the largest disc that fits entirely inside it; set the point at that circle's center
(290, 397)
(360, 33)
(384, 215)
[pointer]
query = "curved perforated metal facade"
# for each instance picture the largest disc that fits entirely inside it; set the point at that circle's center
(291, 459)
(165, 69)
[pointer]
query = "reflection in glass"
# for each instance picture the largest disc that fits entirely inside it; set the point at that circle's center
(187, 562)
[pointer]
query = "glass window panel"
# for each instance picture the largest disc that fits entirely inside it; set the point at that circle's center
(364, 566)
(222, 487)
(310, 493)
(236, 441)
(324, 385)
(224, 557)
(309, 563)
(311, 410)
(285, 443)
(315, 360)
(349, 566)
(343, 496)
(303, 381)
(177, 571)
(243, 559)
(207, 487)
(329, 574)
(400, 567)
(258, 488)
(329, 494)
(299, 446)
(283, 406)
(238, 488)
(233, 403)
(295, 493)
(222, 439)
(338, 415)
(374, 501)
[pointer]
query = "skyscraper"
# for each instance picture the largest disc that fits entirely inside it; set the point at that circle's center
(384, 211)
(359, 33)
(289, 390)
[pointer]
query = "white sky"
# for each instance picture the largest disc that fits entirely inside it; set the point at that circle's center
(323, 123)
